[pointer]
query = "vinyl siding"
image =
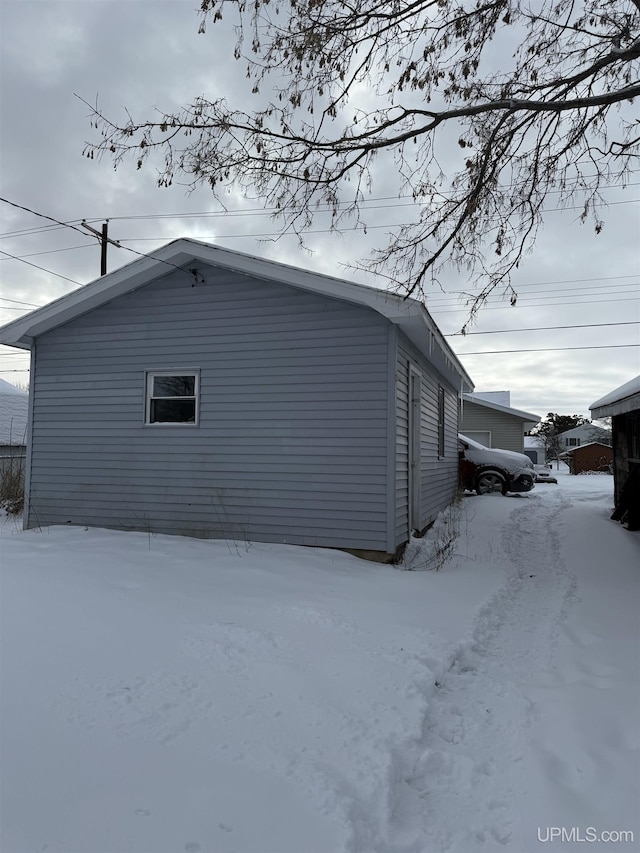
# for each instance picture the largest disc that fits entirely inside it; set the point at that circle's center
(402, 449)
(507, 431)
(438, 476)
(291, 444)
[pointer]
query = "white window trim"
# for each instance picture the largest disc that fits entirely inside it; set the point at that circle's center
(171, 371)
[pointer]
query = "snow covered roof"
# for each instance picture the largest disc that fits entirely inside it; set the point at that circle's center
(581, 430)
(8, 388)
(621, 400)
(14, 408)
(529, 417)
(409, 315)
(571, 450)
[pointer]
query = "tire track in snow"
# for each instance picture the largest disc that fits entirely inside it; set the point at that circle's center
(469, 782)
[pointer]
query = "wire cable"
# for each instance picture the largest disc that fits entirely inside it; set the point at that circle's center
(84, 234)
(262, 211)
(544, 349)
(543, 328)
(50, 272)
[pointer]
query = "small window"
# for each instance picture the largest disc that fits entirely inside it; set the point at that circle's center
(440, 422)
(172, 398)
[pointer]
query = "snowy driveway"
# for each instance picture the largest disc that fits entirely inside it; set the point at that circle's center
(163, 694)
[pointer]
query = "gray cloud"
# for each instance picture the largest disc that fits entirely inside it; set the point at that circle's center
(148, 55)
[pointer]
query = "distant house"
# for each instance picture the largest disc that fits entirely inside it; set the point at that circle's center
(495, 424)
(14, 408)
(535, 449)
(622, 405)
(210, 393)
(588, 457)
(583, 434)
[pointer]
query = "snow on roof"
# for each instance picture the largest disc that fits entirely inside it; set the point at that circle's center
(8, 388)
(14, 408)
(409, 315)
(625, 398)
(571, 450)
(583, 429)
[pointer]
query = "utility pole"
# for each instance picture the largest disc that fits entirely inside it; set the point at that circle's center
(103, 236)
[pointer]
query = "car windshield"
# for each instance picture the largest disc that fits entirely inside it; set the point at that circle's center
(471, 443)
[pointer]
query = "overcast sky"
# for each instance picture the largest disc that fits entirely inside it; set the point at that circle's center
(147, 54)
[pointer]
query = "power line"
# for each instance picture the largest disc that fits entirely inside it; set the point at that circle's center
(527, 298)
(431, 304)
(344, 229)
(73, 227)
(447, 300)
(432, 300)
(18, 301)
(544, 328)
(261, 211)
(34, 231)
(536, 284)
(363, 205)
(521, 304)
(53, 251)
(545, 349)
(50, 272)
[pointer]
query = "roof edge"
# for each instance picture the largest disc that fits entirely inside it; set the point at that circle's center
(177, 254)
(507, 410)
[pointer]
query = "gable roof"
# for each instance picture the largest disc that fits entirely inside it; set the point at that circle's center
(625, 398)
(584, 429)
(571, 450)
(14, 408)
(529, 417)
(407, 314)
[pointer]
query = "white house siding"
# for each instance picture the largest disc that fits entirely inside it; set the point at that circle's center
(507, 431)
(292, 440)
(583, 434)
(438, 477)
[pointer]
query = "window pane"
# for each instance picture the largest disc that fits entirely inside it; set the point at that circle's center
(172, 411)
(174, 386)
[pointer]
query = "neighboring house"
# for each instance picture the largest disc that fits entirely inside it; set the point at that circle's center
(588, 457)
(494, 424)
(210, 393)
(535, 449)
(623, 407)
(502, 398)
(14, 407)
(583, 434)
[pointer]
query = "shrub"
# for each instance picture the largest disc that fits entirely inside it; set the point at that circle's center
(12, 483)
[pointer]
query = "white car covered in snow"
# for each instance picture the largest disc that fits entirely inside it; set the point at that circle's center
(544, 474)
(487, 469)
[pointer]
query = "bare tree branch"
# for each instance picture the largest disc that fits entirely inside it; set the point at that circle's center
(554, 118)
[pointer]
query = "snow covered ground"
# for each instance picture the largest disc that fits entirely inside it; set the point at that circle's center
(166, 694)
